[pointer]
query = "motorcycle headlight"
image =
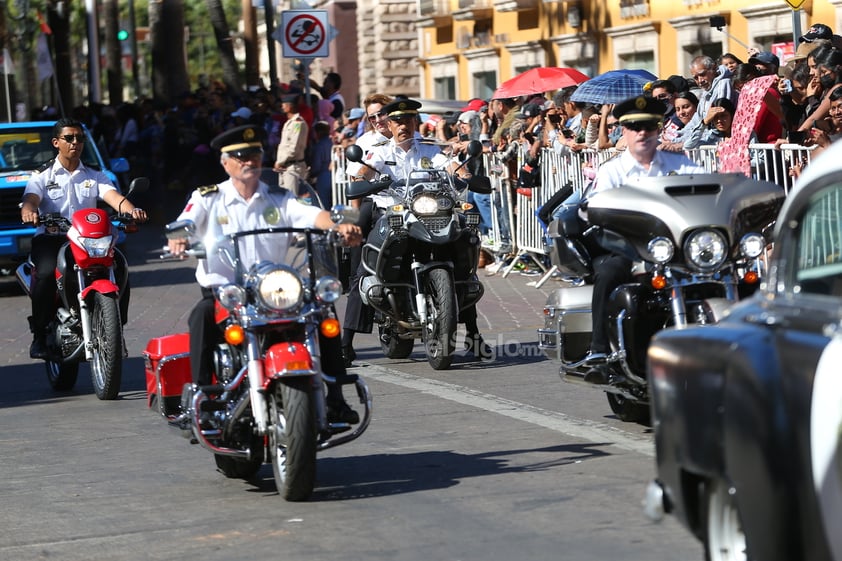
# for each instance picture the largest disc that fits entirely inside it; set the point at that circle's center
(706, 249)
(661, 249)
(280, 290)
(752, 245)
(231, 296)
(96, 247)
(328, 289)
(425, 205)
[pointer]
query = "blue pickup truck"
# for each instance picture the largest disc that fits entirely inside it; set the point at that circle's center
(24, 147)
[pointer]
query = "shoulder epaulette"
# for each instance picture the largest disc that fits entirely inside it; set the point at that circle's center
(45, 166)
(381, 143)
(207, 190)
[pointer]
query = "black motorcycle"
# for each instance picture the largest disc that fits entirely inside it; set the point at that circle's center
(421, 258)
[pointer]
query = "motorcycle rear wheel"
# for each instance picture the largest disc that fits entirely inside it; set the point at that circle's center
(440, 328)
(393, 346)
(628, 411)
(106, 334)
(723, 533)
(292, 440)
(62, 376)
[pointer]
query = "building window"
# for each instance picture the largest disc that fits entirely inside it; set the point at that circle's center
(484, 84)
(635, 46)
(444, 88)
(643, 60)
(483, 65)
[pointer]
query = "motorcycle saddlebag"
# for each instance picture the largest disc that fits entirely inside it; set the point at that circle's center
(573, 321)
(167, 363)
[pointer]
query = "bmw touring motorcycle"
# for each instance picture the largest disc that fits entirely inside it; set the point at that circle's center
(422, 265)
(268, 402)
(698, 243)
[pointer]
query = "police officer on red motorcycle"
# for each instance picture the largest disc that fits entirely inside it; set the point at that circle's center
(241, 203)
(64, 185)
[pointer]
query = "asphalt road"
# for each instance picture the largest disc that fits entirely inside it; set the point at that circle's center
(485, 462)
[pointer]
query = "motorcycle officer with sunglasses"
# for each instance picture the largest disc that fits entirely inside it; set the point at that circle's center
(641, 119)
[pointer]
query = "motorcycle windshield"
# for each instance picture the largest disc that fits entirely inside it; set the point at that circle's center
(310, 252)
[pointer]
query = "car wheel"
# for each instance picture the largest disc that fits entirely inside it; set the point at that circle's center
(724, 536)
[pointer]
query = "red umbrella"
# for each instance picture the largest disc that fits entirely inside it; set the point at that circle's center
(538, 81)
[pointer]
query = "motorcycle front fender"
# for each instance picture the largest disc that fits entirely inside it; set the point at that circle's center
(103, 286)
(283, 360)
(418, 231)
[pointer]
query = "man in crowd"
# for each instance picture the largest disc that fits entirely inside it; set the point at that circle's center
(290, 159)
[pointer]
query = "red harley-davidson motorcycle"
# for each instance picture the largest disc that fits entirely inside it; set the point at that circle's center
(268, 401)
(87, 326)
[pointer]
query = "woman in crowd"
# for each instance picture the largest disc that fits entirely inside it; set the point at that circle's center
(675, 128)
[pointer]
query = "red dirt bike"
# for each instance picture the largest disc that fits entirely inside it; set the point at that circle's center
(87, 326)
(268, 401)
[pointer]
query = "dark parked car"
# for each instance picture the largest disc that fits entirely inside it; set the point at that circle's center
(24, 147)
(747, 413)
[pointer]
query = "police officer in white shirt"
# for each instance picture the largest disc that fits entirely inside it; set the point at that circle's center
(65, 185)
(243, 202)
(641, 118)
(404, 153)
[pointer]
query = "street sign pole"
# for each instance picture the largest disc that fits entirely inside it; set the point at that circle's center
(796, 27)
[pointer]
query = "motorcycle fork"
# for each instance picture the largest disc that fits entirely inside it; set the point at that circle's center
(420, 300)
(256, 377)
(311, 341)
(84, 316)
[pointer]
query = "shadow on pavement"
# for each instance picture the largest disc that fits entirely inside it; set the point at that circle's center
(362, 477)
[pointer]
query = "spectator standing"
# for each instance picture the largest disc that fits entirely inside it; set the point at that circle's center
(290, 157)
(714, 82)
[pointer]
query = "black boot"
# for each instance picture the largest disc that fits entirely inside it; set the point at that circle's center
(38, 348)
(475, 345)
(349, 355)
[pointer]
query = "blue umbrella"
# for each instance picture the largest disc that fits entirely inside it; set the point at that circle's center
(613, 86)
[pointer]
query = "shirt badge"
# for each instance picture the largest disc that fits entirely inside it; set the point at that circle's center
(426, 163)
(222, 220)
(271, 215)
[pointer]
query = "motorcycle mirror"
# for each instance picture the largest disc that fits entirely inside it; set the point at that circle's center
(354, 153)
(179, 229)
(139, 185)
(474, 148)
(344, 214)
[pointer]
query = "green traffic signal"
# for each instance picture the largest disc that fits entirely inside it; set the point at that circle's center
(122, 35)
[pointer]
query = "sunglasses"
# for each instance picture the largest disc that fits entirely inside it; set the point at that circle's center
(73, 137)
(376, 117)
(402, 118)
(246, 155)
(637, 126)
(663, 97)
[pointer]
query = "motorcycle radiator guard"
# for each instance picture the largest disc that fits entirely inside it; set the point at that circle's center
(566, 335)
(167, 363)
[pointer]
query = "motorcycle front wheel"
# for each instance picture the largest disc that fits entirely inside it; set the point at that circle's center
(107, 338)
(292, 440)
(440, 328)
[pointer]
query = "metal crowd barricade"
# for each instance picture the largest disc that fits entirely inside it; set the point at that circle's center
(577, 168)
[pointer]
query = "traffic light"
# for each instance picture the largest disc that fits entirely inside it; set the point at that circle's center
(122, 35)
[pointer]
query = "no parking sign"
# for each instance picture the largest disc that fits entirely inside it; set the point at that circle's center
(304, 33)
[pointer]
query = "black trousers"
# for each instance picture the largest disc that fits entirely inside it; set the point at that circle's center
(610, 271)
(205, 335)
(44, 255)
(359, 318)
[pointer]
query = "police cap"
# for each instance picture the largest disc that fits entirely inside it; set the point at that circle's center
(240, 141)
(401, 107)
(640, 108)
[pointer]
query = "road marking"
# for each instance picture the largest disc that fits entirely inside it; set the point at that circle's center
(579, 428)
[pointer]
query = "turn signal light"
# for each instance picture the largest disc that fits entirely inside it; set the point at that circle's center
(467, 206)
(330, 328)
(751, 277)
(234, 335)
(658, 282)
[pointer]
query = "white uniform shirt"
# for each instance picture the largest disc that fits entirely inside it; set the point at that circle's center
(625, 169)
(226, 212)
(366, 142)
(397, 163)
(66, 192)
